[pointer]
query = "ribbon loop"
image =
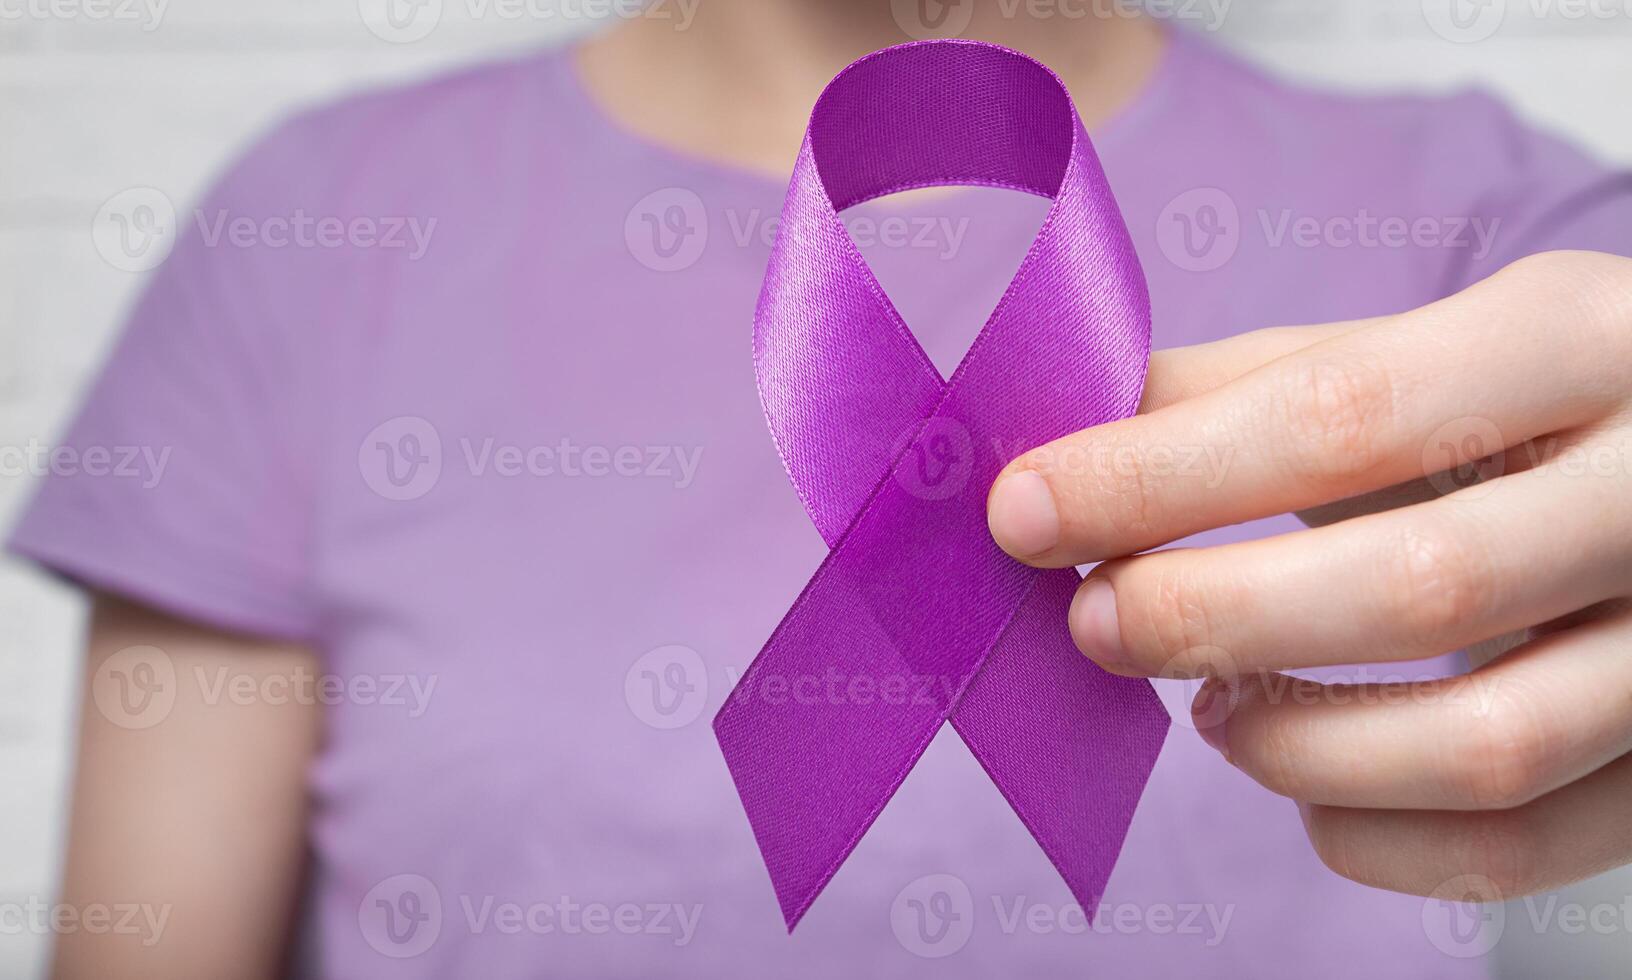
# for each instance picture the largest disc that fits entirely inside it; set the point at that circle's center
(904, 118)
(893, 463)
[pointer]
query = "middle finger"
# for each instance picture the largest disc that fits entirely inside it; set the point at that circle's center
(1399, 585)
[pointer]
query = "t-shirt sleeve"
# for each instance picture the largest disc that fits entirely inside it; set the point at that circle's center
(1542, 191)
(183, 482)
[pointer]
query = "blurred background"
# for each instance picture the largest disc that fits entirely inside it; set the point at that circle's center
(99, 97)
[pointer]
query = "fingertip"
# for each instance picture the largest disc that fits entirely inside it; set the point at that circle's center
(1095, 627)
(1022, 516)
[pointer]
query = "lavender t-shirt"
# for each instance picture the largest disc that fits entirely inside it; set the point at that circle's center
(496, 451)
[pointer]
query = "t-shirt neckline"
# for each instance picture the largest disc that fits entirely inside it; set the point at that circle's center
(560, 65)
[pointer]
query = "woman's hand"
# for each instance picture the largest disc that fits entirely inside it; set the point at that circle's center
(1467, 468)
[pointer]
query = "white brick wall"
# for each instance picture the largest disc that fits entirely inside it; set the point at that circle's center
(89, 107)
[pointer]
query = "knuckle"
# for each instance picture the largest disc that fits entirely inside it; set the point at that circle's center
(1502, 760)
(1569, 266)
(1591, 291)
(1437, 584)
(1335, 410)
(1508, 848)
(1277, 757)
(1544, 265)
(1612, 298)
(1351, 844)
(1505, 847)
(1329, 836)
(1174, 615)
(1135, 490)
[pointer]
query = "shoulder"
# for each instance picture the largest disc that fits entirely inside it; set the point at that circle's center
(1433, 143)
(1296, 123)
(1459, 155)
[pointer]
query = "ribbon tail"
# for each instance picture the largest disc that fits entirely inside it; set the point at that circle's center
(814, 767)
(1069, 745)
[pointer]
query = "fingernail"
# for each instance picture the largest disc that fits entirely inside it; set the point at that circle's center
(1021, 514)
(1093, 622)
(1211, 711)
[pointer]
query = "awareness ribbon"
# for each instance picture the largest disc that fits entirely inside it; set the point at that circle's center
(915, 608)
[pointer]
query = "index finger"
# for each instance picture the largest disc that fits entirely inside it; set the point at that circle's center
(1355, 411)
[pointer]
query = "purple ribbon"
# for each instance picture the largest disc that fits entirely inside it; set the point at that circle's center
(916, 617)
